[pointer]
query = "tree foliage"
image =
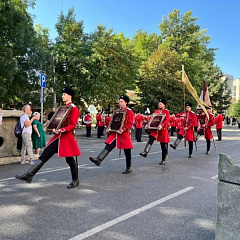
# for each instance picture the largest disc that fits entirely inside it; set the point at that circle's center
(236, 109)
(19, 50)
(102, 65)
(160, 78)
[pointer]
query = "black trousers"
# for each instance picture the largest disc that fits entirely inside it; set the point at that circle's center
(88, 131)
(173, 129)
(138, 134)
(190, 144)
(219, 134)
(51, 149)
(208, 144)
(164, 147)
(100, 131)
(127, 152)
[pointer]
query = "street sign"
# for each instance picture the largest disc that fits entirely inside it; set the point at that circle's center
(43, 80)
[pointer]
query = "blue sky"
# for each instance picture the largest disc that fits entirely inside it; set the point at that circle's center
(219, 17)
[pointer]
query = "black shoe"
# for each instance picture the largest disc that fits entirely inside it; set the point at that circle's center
(190, 156)
(172, 146)
(143, 154)
(206, 152)
(128, 170)
(25, 177)
(99, 137)
(95, 160)
(73, 184)
(162, 163)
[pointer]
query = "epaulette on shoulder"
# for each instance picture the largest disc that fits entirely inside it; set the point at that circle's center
(73, 105)
(129, 108)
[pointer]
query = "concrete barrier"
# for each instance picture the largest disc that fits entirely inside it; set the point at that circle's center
(8, 141)
(228, 213)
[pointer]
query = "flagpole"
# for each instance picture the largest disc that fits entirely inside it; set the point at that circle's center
(183, 88)
(185, 143)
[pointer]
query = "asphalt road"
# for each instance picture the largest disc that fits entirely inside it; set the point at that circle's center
(175, 201)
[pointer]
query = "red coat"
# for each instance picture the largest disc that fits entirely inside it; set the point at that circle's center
(190, 121)
(107, 121)
(219, 121)
(172, 121)
(162, 135)
(100, 122)
(67, 145)
(139, 121)
(208, 124)
(124, 140)
(87, 118)
(179, 122)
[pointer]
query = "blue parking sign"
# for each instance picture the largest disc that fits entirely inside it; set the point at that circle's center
(43, 80)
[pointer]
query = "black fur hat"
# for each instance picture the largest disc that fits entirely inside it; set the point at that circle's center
(125, 98)
(69, 91)
(188, 104)
(162, 101)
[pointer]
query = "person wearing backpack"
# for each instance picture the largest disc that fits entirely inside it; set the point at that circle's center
(26, 125)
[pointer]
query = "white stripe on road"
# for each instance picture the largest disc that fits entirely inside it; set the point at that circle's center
(215, 177)
(54, 170)
(129, 215)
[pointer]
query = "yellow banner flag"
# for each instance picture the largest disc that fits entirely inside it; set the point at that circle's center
(193, 92)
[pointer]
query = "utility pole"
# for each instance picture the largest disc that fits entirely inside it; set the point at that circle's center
(54, 85)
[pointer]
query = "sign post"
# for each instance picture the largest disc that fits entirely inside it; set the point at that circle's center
(43, 86)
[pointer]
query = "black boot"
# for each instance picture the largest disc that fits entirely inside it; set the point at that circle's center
(146, 150)
(73, 184)
(208, 146)
(28, 176)
(101, 156)
(128, 161)
(164, 147)
(197, 137)
(175, 144)
(128, 170)
(74, 172)
(190, 143)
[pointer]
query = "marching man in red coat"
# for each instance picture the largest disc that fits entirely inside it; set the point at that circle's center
(63, 143)
(138, 126)
(88, 121)
(161, 134)
(219, 124)
(208, 123)
(120, 139)
(172, 123)
(100, 123)
(187, 129)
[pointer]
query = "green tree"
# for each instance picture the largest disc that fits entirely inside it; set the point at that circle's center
(236, 109)
(219, 93)
(145, 44)
(160, 78)
(71, 52)
(112, 67)
(182, 34)
(19, 46)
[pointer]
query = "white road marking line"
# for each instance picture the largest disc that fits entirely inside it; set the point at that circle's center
(54, 170)
(215, 177)
(129, 215)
